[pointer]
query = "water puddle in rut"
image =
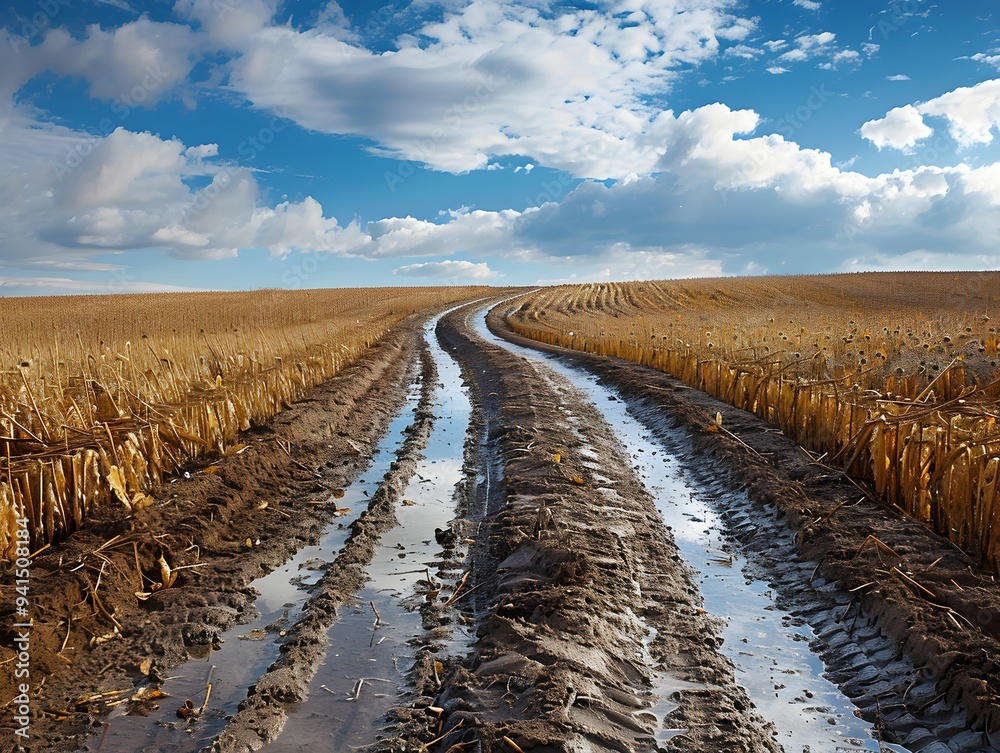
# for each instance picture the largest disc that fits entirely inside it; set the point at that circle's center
(367, 662)
(249, 648)
(783, 677)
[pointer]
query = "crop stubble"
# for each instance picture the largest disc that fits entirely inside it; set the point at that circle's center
(891, 378)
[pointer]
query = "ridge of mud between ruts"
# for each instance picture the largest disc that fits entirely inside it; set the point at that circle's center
(919, 603)
(575, 579)
(294, 462)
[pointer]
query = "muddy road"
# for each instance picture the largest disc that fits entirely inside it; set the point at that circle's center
(467, 543)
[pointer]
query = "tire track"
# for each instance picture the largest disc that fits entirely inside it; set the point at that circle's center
(911, 674)
(575, 585)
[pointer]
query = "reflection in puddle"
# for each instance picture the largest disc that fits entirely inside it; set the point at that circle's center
(771, 652)
(248, 649)
(368, 658)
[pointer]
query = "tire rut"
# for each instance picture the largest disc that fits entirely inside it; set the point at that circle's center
(262, 715)
(575, 582)
(904, 663)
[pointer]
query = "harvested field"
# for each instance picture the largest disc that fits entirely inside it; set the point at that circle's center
(101, 397)
(898, 390)
(467, 542)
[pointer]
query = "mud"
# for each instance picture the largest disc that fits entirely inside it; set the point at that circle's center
(93, 643)
(921, 664)
(587, 631)
(583, 590)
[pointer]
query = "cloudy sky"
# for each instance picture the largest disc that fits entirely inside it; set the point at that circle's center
(233, 144)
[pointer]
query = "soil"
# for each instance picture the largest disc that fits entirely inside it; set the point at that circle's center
(91, 634)
(583, 610)
(914, 599)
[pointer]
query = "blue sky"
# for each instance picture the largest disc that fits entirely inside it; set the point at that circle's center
(238, 144)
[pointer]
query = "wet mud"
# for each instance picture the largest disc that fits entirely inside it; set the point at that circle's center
(494, 554)
(909, 630)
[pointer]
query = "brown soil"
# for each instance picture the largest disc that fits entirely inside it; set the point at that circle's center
(918, 595)
(573, 578)
(568, 582)
(91, 634)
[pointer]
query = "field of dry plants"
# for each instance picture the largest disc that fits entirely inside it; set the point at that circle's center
(891, 378)
(101, 396)
(389, 520)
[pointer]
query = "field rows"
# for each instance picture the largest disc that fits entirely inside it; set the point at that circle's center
(101, 397)
(898, 390)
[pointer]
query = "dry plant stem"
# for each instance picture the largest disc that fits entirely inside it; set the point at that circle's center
(899, 395)
(138, 393)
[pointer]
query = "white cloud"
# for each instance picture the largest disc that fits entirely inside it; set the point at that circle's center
(495, 79)
(972, 112)
(898, 77)
(852, 57)
(901, 128)
(230, 22)
(993, 59)
(810, 46)
(133, 65)
(807, 4)
(450, 270)
(17, 286)
(776, 70)
(928, 261)
(66, 196)
(776, 45)
(743, 51)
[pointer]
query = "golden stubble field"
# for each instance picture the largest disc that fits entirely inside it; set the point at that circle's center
(101, 396)
(891, 377)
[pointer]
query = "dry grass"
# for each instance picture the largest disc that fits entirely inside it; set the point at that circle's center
(892, 377)
(101, 396)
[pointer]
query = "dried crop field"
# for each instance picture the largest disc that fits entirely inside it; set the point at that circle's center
(101, 396)
(891, 377)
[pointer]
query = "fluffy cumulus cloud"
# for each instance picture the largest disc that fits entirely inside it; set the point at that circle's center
(73, 195)
(971, 115)
(449, 270)
(570, 90)
(972, 112)
(901, 128)
(133, 65)
(782, 204)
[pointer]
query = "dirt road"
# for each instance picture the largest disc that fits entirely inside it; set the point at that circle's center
(462, 545)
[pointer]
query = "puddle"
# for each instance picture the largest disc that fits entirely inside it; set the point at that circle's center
(248, 649)
(771, 652)
(368, 659)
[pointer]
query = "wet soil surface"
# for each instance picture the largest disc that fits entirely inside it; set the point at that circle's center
(460, 546)
(907, 625)
(93, 644)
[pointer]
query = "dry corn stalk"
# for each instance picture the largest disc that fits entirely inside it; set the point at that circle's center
(904, 395)
(102, 396)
